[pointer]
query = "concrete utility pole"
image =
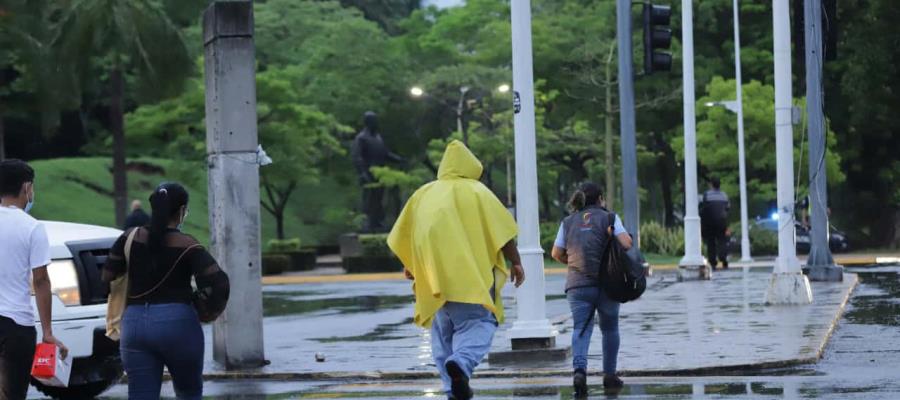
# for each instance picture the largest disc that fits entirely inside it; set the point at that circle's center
(631, 203)
(788, 285)
(531, 329)
(742, 165)
(821, 264)
(693, 265)
(231, 141)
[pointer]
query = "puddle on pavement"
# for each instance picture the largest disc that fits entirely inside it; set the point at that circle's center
(381, 332)
(276, 304)
(877, 301)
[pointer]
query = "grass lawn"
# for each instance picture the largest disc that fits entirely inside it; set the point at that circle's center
(80, 190)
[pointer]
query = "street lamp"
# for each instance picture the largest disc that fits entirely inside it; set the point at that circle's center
(416, 91)
(736, 107)
(504, 88)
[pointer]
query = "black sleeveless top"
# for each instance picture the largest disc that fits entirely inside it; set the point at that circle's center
(172, 282)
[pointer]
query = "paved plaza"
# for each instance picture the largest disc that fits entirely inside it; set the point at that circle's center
(365, 329)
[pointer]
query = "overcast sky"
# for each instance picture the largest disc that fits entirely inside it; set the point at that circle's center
(442, 3)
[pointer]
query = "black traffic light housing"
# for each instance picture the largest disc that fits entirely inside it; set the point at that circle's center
(657, 35)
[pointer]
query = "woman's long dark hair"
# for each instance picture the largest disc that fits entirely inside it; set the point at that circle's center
(166, 202)
(587, 194)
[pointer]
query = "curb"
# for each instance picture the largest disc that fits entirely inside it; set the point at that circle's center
(724, 370)
(398, 276)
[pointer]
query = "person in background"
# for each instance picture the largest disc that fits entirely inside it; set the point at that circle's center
(24, 251)
(714, 223)
(581, 244)
(160, 326)
(138, 217)
(452, 236)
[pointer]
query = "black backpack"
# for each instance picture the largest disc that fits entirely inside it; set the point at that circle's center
(622, 272)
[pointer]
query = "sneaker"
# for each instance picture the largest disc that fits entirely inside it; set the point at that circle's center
(612, 382)
(459, 382)
(580, 383)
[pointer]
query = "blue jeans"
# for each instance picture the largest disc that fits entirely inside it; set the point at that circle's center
(157, 335)
(461, 333)
(583, 302)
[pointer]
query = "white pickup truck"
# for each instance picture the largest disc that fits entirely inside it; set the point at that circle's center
(79, 308)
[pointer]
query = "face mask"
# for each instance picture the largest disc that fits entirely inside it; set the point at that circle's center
(30, 204)
(186, 212)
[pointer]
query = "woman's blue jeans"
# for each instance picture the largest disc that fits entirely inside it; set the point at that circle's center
(157, 335)
(583, 302)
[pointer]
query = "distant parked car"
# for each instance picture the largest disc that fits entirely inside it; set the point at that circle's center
(838, 242)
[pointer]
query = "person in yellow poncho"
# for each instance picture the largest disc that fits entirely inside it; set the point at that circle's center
(452, 237)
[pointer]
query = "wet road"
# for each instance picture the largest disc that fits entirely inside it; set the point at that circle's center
(862, 361)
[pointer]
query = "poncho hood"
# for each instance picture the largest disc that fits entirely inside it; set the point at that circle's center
(459, 162)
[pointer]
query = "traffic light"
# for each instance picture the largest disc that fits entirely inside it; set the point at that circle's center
(657, 35)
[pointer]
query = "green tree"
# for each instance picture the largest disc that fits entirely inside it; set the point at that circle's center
(126, 38)
(299, 138)
(717, 142)
(31, 77)
(346, 65)
(862, 96)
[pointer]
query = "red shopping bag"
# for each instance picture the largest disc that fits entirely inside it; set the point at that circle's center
(49, 367)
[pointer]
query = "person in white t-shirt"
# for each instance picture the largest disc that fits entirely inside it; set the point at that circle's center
(24, 251)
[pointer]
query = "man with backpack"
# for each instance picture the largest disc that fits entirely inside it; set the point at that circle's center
(714, 223)
(25, 252)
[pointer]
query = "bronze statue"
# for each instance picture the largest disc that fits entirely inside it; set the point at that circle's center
(369, 150)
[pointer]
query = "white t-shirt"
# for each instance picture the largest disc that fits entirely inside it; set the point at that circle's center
(23, 246)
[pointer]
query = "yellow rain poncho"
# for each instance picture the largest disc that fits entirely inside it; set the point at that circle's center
(450, 235)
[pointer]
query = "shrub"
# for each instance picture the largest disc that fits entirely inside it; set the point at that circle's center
(284, 246)
(548, 235)
(367, 264)
(763, 241)
(274, 264)
(658, 239)
(375, 245)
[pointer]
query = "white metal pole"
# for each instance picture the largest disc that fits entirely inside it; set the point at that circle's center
(788, 285)
(693, 258)
(531, 323)
(742, 168)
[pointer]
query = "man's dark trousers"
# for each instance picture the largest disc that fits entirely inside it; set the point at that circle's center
(17, 344)
(716, 243)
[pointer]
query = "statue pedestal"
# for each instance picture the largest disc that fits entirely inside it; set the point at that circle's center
(349, 244)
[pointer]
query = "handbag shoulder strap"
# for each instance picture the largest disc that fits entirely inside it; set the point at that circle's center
(129, 241)
(166, 277)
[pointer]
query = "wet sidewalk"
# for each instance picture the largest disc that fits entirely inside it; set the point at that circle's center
(364, 329)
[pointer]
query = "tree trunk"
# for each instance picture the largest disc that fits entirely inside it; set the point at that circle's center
(279, 222)
(663, 166)
(2, 138)
(117, 126)
(610, 157)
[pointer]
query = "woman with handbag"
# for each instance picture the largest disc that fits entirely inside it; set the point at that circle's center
(581, 244)
(160, 325)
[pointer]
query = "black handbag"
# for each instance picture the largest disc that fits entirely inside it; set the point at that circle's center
(622, 274)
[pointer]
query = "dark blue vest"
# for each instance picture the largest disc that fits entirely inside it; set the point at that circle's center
(586, 238)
